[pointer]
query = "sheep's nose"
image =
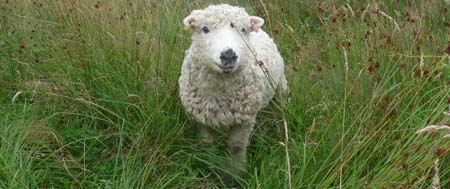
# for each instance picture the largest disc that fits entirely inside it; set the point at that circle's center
(228, 57)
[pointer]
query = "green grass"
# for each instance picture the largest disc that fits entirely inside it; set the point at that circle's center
(88, 96)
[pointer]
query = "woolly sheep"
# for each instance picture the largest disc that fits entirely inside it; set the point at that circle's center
(222, 84)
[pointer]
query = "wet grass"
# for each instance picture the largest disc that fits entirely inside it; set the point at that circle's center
(88, 96)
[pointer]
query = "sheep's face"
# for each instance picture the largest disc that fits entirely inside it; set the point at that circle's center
(221, 36)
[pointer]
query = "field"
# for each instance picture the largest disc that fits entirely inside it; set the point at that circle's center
(89, 96)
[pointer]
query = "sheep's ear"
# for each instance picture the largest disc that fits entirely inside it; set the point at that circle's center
(256, 23)
(189, 22)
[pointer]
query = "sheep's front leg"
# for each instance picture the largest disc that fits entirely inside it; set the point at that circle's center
(205, 135)
(238, 142)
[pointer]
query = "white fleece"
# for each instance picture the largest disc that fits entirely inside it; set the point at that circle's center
(225, 100)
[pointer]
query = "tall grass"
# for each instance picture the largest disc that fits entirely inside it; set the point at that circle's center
(88, 96)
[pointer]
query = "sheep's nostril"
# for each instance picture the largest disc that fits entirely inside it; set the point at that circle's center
(228, 57)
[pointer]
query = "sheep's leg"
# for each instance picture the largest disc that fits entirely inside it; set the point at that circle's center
(282, 92)
(205, 135)
(238, 142)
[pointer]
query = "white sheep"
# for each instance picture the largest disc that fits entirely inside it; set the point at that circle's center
(221, 84)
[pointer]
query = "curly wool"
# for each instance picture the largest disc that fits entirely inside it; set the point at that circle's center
(220, 15)
(226, 100)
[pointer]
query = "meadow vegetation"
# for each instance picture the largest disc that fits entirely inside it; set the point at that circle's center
(89, 96)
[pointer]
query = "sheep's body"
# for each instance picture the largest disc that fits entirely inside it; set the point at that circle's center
(223, 99)
(228, 100)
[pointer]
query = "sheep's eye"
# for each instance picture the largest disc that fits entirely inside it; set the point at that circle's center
(243, 30)
(232, 25)
(205, 29)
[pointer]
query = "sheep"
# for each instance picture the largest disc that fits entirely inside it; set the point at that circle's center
(231, 71)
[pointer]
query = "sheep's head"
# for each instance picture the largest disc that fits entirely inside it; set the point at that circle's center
(220, 34)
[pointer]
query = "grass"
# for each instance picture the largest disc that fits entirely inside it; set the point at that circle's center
(88, 96)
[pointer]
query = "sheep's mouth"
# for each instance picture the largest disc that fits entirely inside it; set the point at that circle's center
(227, 69)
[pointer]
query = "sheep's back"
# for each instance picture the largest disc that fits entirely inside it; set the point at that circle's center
(267, 52)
